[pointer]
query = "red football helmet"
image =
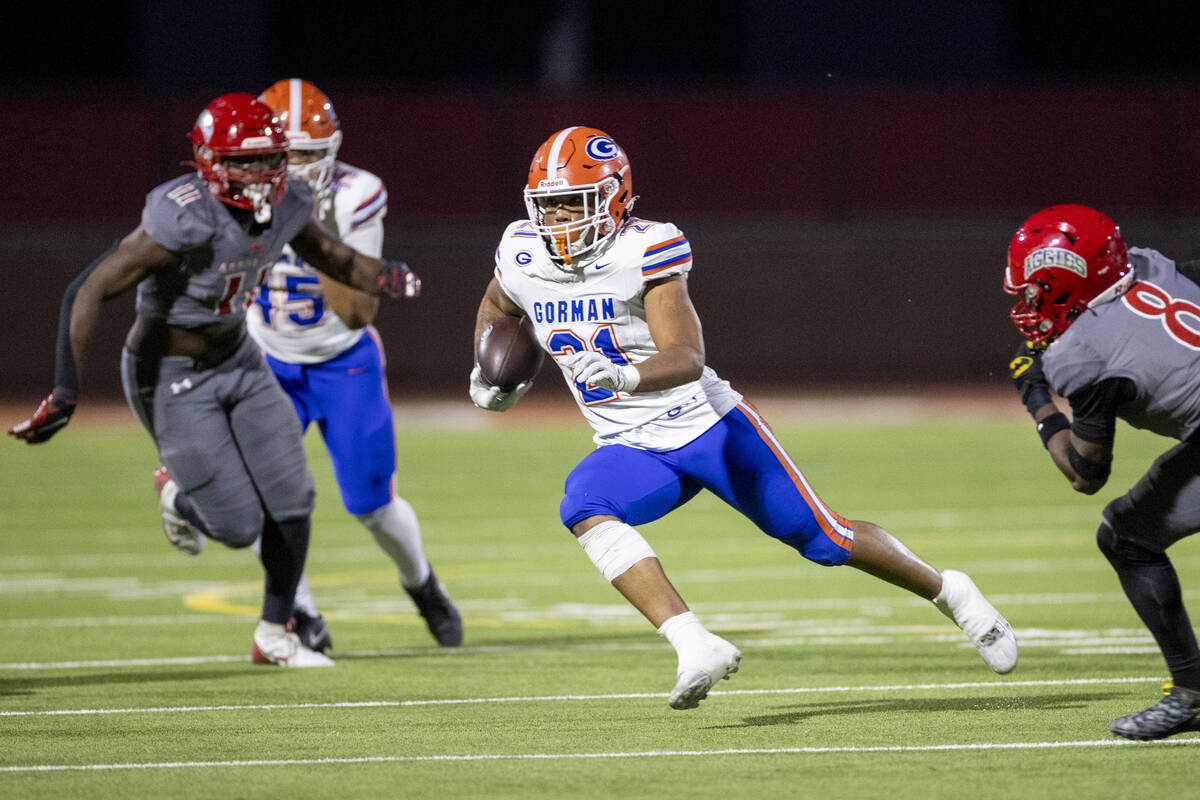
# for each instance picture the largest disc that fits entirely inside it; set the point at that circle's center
(241, 152)
(579, 168)
(312, 129)
(1062, 261)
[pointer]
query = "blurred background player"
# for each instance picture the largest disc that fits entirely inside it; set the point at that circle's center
(320, 343)
(219, 420)
(607, 295)
(1117, 333)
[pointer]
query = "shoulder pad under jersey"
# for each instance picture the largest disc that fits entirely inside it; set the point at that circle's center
(180, 214)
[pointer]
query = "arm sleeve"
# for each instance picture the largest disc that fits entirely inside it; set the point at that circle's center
(1094, 409)
(65, 376)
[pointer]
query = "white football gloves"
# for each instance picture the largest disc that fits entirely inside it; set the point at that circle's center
(493, 398)
(591, 367)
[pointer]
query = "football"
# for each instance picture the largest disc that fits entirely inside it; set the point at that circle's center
(508, 353)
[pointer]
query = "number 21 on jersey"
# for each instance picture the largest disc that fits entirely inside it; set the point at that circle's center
(564, 342)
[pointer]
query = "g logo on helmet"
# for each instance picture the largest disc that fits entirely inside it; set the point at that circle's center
(601, 148)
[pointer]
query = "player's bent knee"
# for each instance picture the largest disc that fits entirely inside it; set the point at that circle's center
(236, 530)
(819, 549)
(1124, 552)
(614, 547)
(1140, 523)
(575, 509)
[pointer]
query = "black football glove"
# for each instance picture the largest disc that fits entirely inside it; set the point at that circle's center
(1027, 375)
(397, 280)
(51, 417)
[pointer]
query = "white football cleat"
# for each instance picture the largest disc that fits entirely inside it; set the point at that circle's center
(988, 630)
(274, 645)
(701, 669)
(179, 532)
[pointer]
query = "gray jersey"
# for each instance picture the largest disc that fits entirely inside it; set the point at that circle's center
(1150, 336)
(221, 264)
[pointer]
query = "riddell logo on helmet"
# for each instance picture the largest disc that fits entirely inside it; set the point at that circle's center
(256, 142)
(1051, 257)
(552, 183)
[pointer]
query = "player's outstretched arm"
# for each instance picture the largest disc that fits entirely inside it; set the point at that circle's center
(113, 274)
(346, 265)
(355, 308)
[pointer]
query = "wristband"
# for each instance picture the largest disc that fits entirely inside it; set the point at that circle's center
(1051, 425)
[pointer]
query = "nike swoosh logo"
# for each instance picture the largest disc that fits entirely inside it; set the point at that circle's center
(602, 266)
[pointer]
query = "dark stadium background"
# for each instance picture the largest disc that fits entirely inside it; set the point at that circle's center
(848, 173)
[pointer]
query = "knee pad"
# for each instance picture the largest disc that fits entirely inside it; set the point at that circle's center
(614, 547)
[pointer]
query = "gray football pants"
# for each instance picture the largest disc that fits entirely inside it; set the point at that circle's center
(229, 436)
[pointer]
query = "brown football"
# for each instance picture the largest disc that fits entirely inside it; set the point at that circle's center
(508, 354)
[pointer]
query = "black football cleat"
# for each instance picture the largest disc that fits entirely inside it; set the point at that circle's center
(1175, 713)
(440, 614)
(313, 632)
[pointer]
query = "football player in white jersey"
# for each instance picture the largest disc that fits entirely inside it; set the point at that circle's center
(607, 295)
(319, 342)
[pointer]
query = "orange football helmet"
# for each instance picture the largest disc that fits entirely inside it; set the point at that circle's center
(240, 152)
(311, 126)
(579, 167)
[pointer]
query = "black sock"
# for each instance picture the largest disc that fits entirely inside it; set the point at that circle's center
(284, 547)
(183, 504)
(1150, 583)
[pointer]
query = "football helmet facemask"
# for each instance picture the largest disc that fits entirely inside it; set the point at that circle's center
(312, 129)
(582, 170)
(1062, 261)
(241, 153)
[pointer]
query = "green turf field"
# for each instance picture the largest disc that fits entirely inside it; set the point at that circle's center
(124, 668)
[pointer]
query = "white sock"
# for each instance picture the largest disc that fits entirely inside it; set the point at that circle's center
(684, 632)
(304, 601)
(397, 531)
(949, 598)
(270, 628)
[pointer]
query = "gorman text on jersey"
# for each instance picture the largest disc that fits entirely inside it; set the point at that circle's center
(589, 310)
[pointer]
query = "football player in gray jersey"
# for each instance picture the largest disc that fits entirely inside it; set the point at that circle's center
(224, 429)
(1116, 333)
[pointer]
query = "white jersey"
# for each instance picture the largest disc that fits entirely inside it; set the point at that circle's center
(601, 308)
(290, 319)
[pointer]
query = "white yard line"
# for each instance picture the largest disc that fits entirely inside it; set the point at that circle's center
(909, 687)
(586, 756)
